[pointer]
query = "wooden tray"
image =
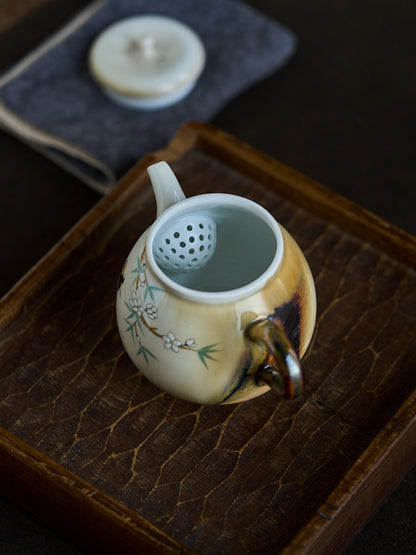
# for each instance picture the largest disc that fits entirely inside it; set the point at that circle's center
(94, 449)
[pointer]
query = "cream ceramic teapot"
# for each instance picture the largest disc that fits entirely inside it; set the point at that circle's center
(216, 302)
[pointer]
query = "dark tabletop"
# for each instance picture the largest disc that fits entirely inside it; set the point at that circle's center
(342, 111)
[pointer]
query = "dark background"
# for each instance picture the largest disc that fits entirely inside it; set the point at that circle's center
(342, 111)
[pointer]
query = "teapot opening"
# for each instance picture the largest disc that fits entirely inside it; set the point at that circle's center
(216, 243)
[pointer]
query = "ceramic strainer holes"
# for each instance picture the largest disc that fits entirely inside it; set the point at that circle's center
(186, 244)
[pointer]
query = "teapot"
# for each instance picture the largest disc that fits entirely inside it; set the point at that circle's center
(216, 302)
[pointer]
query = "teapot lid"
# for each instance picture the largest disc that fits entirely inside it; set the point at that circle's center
(147, 58)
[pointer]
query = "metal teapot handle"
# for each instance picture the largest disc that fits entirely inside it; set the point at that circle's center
(285, 377)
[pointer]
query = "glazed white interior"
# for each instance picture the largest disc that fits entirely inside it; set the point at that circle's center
(248, 248)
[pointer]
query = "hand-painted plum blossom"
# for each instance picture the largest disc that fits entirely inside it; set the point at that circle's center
(142, 312)
(190, 343)
(142, 275)
(151, 311)
(136, 303)
(171, 342)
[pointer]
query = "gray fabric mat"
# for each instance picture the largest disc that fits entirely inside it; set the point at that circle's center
(50, 100)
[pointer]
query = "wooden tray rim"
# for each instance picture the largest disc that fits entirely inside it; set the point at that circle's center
(124, 529)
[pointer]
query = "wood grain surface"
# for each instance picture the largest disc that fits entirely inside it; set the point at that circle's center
(258, 477)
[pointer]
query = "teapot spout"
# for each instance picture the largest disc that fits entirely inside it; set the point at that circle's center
(165, 186)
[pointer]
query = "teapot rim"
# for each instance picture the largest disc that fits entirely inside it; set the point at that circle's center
(210, 200)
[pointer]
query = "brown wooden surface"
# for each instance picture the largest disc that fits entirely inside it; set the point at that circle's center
(72, 505)
(300, 475)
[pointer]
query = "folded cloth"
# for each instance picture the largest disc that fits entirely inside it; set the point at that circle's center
(50, 100)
